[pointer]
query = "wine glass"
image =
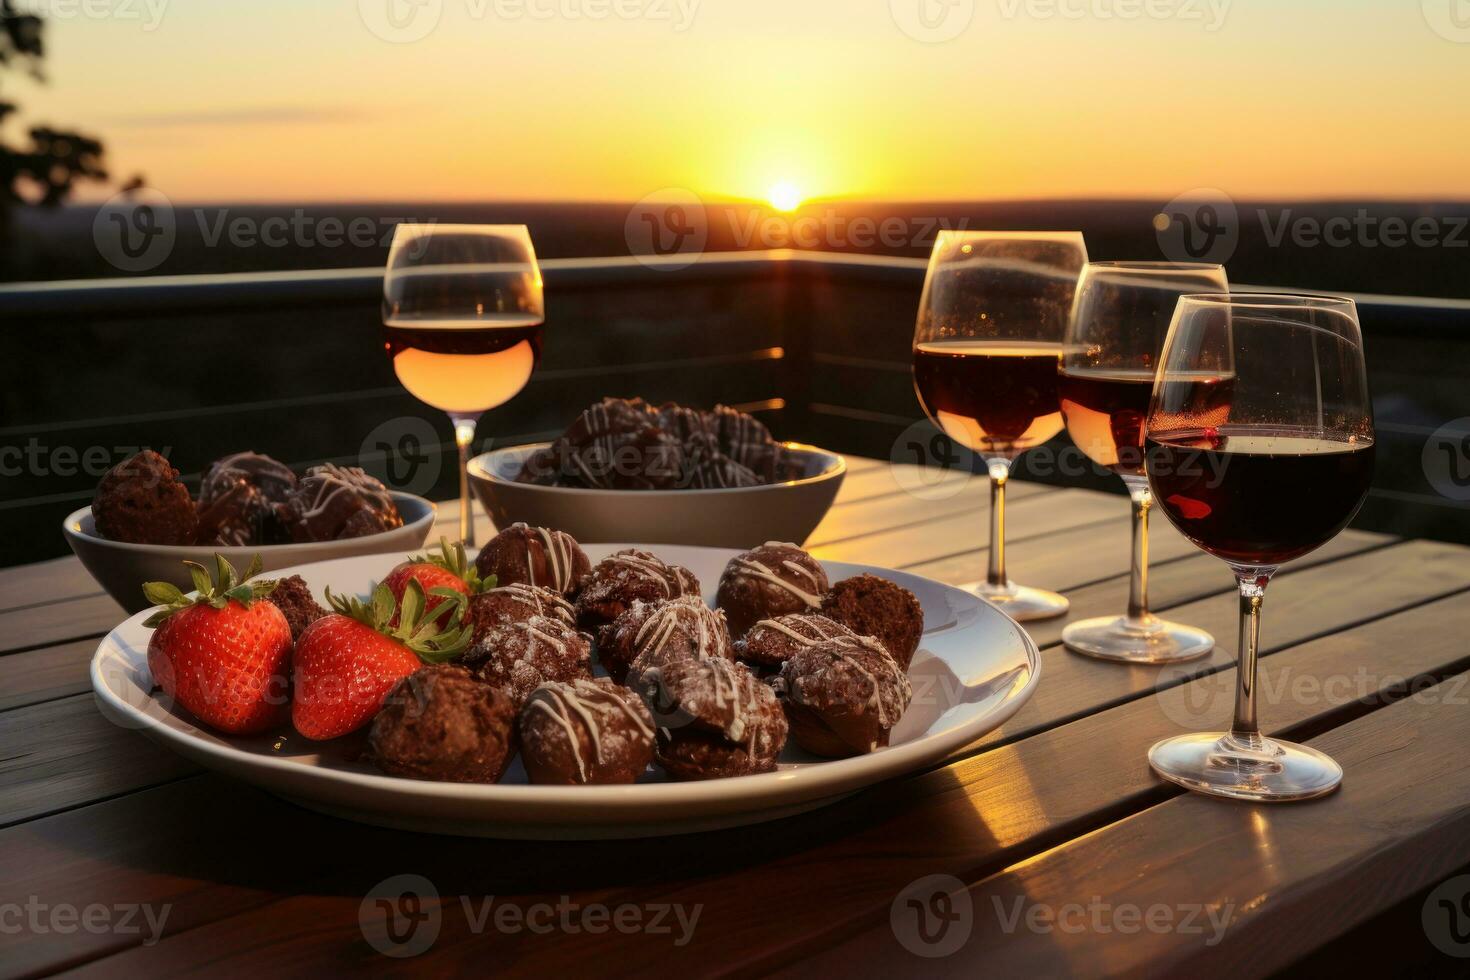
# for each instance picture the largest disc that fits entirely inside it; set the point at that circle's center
(1277, 473)
(986, 349)
(1109, 355)
(462, 315)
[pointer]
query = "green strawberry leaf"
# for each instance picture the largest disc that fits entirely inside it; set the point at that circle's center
(162, 593)
(200, 574)
(215, 593)
(412, 603)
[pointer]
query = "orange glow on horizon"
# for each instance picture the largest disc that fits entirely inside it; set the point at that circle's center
(764, 101)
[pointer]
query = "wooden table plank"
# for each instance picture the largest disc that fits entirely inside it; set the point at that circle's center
(848, 520)
(1029, 518)
(45, 674)
(45, 581)
(1300, 605)
(63, 753)
(1174, 583)
(1290, 878)
(967, 820)
(58, 622)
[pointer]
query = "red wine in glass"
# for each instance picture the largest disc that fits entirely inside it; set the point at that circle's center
(996, 397)
(1285, 472)
(1259, 496)
(1105, 410)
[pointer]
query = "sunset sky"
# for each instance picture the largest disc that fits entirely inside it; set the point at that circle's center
(299, 100)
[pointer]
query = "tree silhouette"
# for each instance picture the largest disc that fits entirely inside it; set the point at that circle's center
(45, 172)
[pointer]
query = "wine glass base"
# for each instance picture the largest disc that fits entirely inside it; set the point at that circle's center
(1020, 602)
(1219, 764)
(1114, 638)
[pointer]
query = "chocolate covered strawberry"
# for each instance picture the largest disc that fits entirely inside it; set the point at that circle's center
(347, 661)
(223, 654)
(449, 569)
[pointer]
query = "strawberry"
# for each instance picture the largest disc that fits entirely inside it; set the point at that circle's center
(449, 569)
(223, 654)
(347, 661)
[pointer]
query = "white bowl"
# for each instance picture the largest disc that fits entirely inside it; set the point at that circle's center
(121, 567)
(739, 517)
(974, 669)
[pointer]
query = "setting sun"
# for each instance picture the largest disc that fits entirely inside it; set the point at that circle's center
(784, 196)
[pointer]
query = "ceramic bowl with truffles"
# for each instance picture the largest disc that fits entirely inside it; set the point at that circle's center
(145, 520)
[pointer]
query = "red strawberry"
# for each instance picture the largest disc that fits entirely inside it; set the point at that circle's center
(346, 662)
(449, 569)
(222, 654)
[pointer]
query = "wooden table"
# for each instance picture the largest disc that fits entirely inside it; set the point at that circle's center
(1064, 855)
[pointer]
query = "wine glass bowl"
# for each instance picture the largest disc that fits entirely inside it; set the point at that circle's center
(1110, 353)
(1275, 475)
(986, 346)
(462, 320)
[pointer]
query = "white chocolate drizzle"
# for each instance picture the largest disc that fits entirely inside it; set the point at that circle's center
(749, 566)
(656, 631)
(557, 546)
(547, 603)
(332, 480)
(561, 701)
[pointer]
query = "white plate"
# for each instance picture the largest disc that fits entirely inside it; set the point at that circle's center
(974, 669)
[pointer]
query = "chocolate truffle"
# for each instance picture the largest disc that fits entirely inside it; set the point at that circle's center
(743, 437)
(842, 696)
(625, 444)
(142, 501)
(873, 606)
(773, 580)
(651, 634)
(588, 730)
(517, 603)
(617, 444)
(292, 596)
(521, 656)
(715, 719)
(240, 499)
(627, 577)
(441, 722)
(522, 554)
(332, 502)
(771, 642)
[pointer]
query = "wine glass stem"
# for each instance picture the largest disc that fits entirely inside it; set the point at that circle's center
(464, 436)
(1138, 613)
(1245, 728)
(1000, 470)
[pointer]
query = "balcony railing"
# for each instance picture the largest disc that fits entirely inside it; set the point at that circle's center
(816, 343)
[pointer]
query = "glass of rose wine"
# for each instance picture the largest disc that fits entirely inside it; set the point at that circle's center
(1277, 475)
(462, 316)
(1109, 355)
(986, 350)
